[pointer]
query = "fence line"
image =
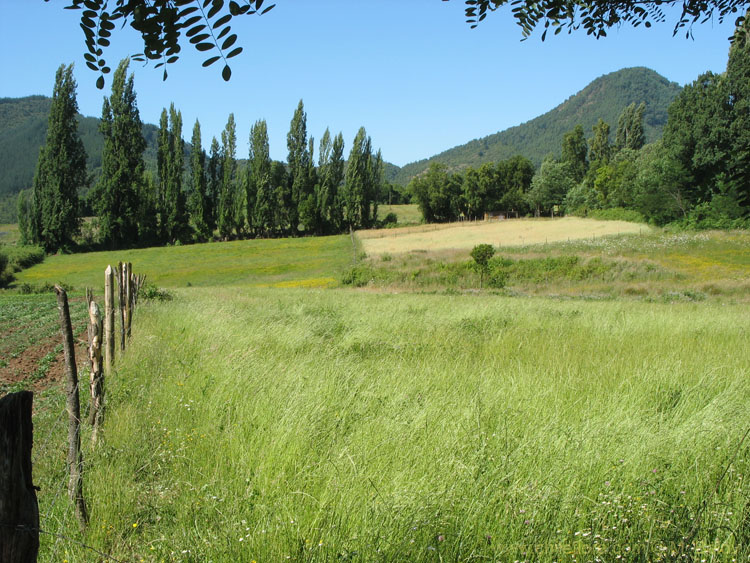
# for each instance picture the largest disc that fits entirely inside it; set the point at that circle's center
(18, 437)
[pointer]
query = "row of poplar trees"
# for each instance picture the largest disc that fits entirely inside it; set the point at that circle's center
(209, 196)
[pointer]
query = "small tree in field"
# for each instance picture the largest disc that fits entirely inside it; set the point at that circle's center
(482, 253)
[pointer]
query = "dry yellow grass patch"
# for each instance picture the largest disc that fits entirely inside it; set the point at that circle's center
(511, 232)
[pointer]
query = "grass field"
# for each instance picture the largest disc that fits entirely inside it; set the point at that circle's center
(408, 214)
(466, 235)
(248, 421)
(261, 425)
(300, 262)
(653, 265)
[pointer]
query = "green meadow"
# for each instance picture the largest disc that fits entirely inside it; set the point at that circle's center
(252, 422)
(306, 262)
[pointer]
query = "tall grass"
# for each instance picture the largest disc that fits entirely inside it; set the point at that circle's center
(265, 425)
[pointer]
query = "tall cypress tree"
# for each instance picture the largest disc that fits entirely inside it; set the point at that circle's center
(163, 149)
(260, 179)
(298, 162)
(198, 201)
(225, 212)
(630, 133)
(214, 178)
(282, 198)
(177, 227)
(60, 171)
(600, 149)
(116, 194)
(357, 188)
(325, 193)
(334, 178)
(574, 152)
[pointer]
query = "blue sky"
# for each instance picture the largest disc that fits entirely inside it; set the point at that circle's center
(410, 71)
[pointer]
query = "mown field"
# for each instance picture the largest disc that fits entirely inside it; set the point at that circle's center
(416, 422)
(467, 234)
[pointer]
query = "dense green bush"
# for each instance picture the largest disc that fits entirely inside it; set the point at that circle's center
(149, 292)
(616, 214)
(389, 221)
(4, 274)
(21, 257)
(357, 276)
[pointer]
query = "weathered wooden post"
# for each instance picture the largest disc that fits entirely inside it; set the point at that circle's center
(75, 458)
(127, 276)
(121, 303)
(109, 320)
(19, 511)
(95, 330)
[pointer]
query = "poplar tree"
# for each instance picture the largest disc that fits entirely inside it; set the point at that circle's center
(162, 171)
(574, 151)
(282, 197)
(630, 133)
(60, 170)
(362, 183)
(330, 175)
(116, 194)
(260, 179)
(174, 197)
(198, 202)
(214, 178)
(225, 211)
(309, 214)
(600, 149)
(334, 178)
(297, 162)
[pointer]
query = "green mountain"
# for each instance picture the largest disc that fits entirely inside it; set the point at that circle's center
(604, 98)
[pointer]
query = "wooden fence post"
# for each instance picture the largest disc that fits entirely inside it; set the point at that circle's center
(75, 458)
(109, 320)
(19, 511)
(127, 276)
(95, 330)
(121, 296)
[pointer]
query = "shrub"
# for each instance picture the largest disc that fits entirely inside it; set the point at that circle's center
(616, 214)
(498, 278)
(149, 292)
(482, 254)
(389, 221)
(46, 287)
(4, 274)
(357, 276)
(22, 257)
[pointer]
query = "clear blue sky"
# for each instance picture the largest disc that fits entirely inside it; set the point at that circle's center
(410, 71)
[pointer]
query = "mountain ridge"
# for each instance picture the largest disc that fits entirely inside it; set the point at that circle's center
(605, 97)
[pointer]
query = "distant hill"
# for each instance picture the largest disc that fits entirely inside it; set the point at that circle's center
(604, 98)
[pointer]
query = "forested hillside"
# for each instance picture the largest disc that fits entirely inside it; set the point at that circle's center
(604, 98)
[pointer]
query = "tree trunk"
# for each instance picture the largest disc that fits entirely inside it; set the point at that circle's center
(75, 458)
(19, 511)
